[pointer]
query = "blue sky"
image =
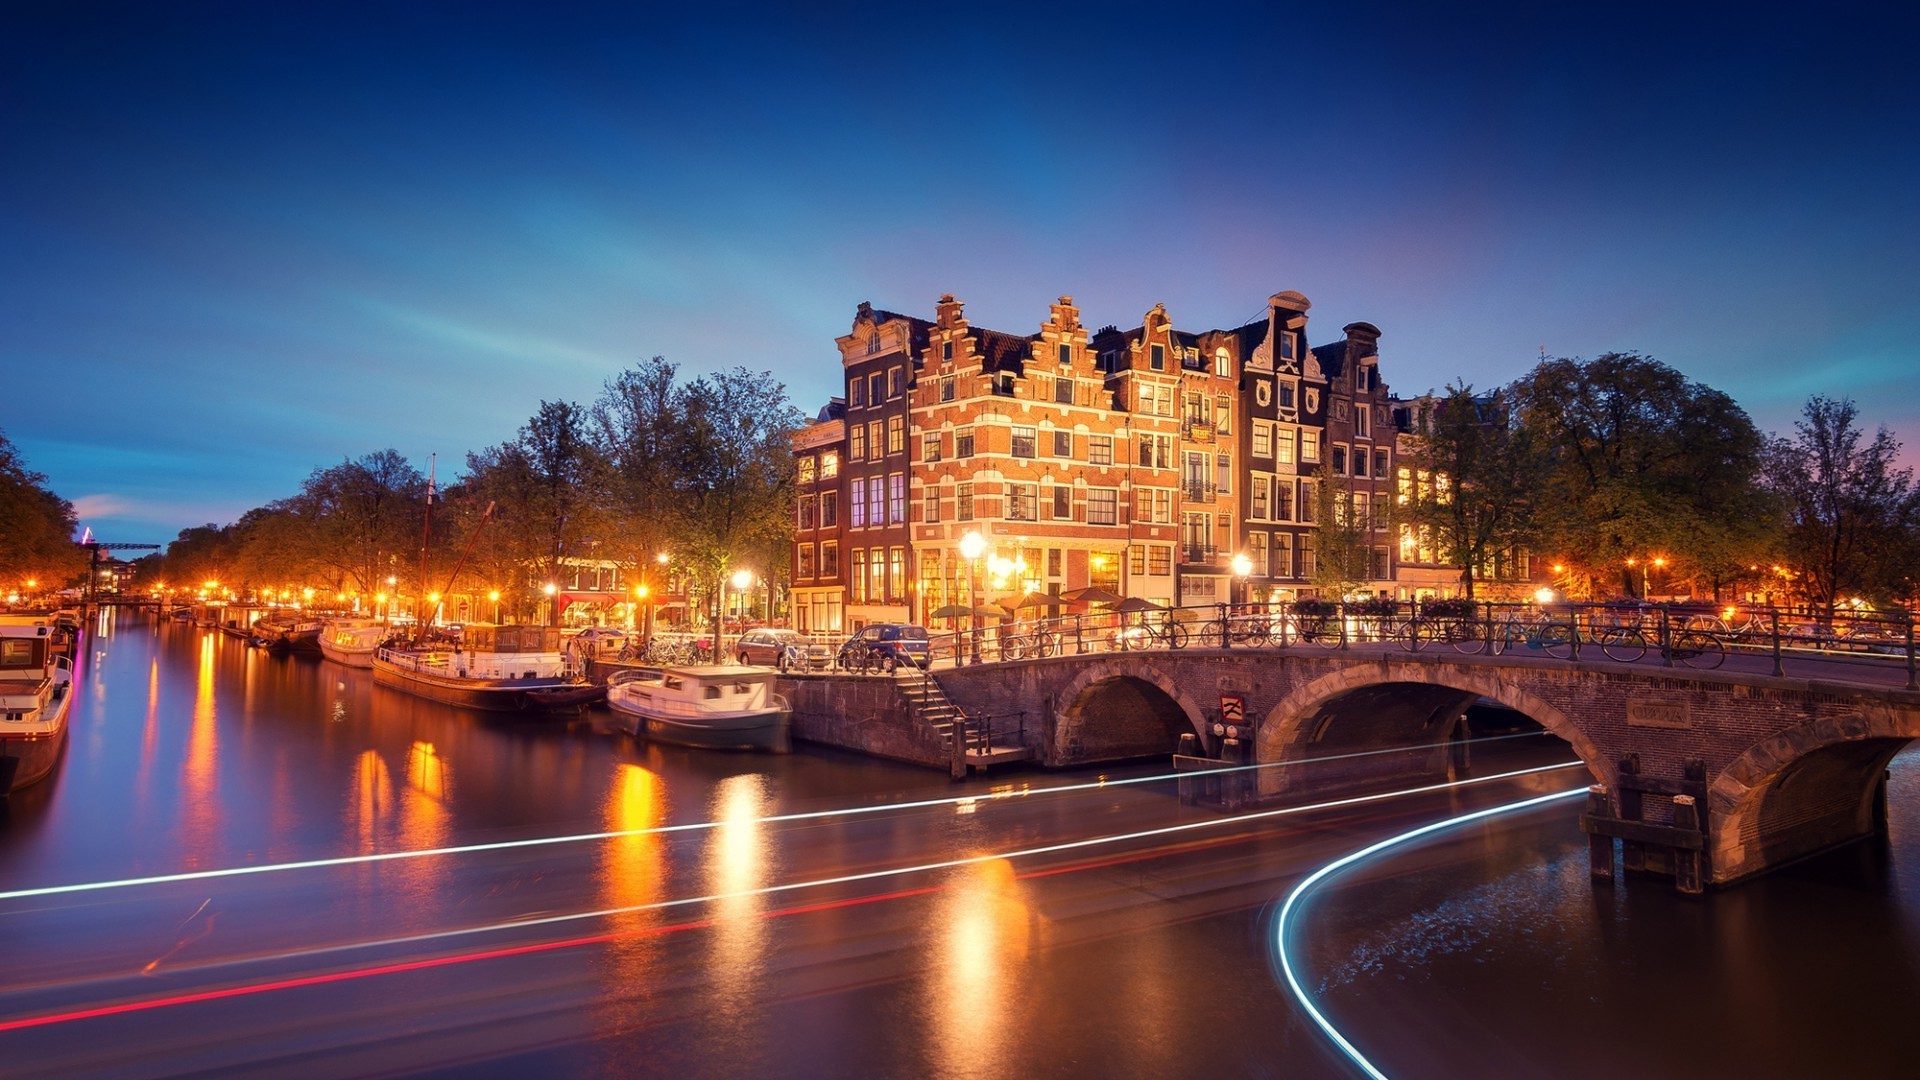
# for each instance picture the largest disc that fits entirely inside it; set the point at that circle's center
(242, 241)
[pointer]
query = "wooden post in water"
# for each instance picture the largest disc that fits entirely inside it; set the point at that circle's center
(1686, 861)
(1599, 846)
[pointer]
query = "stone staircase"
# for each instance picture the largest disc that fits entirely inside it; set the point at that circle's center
(934, 711)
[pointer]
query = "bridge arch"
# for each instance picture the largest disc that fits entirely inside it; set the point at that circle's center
(1133, 702)
(1441, 692)
(1804, 790)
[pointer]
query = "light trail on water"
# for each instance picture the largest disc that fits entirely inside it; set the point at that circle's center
(1306, 885)
(18, 1023)
(689, 827)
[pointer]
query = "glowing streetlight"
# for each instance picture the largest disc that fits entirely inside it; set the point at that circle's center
(972, 546)
(742, 579)
(1543, 595)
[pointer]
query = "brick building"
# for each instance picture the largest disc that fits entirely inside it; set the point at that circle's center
(1139, 461)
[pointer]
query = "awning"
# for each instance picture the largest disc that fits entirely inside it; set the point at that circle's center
(567, 598)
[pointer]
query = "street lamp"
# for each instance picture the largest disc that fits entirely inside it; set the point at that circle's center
(972, 546)
(494, 595)
(1242, 566)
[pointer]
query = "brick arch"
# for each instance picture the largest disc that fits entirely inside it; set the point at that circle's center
(1739, 792)
(1281, 727)
(1072, 695)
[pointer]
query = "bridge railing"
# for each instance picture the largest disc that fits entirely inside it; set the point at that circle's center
(1671, 634)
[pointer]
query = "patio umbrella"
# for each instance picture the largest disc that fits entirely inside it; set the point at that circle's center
(1040, 599)
(1135, 603)
(952, 611)
(1093, 594)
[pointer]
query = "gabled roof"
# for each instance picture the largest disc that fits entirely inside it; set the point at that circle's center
(1001, 351)
(1333, 358)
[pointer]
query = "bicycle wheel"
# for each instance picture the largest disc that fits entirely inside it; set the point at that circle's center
(1043, 646)
(1330, 633)
(1621, 645)
(1556, 640)
(1466, 638)
(1411, 635)
(1012, 649)
(1210, 637)
(1176, 636)
(1698, 650)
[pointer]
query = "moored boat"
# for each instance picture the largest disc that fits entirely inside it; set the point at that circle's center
(496, 668)
(284, 631)
(352, 641)
(36, 686)
(714, 707)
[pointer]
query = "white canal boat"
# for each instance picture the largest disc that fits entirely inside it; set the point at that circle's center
(496, 668)
(352, 641)
(715, 707)
(36, 690)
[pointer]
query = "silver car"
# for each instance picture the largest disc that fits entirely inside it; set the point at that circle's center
(788, 650)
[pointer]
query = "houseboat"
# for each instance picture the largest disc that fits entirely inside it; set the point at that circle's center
(495, 668)
(287, 631)
(714, 707)
(352, 641)
(36, 685)
(236, 620)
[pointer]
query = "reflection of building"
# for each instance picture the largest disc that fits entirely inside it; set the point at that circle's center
(1139, 461)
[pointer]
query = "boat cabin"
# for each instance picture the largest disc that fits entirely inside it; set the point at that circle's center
(487, 651)
(719, 688)
(24, 649)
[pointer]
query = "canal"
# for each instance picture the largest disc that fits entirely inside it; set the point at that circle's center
(429, 891)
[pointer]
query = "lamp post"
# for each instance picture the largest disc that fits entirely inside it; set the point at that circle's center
(494, 595)
(972, 546)
(553, 603)
(1242, 567)
(741, 579)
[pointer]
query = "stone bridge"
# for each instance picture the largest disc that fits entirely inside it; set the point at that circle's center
(1711, 775)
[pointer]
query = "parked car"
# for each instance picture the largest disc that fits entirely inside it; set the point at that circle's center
(885, 646)
(598, 641)
(784, 649)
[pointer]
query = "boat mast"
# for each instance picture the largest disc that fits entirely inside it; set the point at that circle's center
(426, 545)
(471, 540)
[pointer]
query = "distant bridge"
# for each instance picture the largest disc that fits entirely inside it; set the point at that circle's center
(1710, 775)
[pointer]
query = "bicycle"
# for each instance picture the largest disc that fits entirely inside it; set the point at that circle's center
(1245, 630)
(1038, 645)
(1419, 631)
(1554, 638)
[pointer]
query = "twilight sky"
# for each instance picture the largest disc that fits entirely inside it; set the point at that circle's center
(241, 241)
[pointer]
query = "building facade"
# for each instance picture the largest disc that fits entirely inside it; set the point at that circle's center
(1140, 462)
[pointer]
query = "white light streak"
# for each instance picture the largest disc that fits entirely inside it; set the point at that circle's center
(1300, 890)
(699, 826)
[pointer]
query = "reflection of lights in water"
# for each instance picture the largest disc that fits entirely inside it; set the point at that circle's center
(982, 932)
(808, 815)
(998, 885)
(426, 772)
(966, 806)
(633, 876)
(199, 781)
(372, 798)
(736, 874)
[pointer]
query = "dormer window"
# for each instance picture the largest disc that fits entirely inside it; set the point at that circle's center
(1157, 358)
(1222, 364)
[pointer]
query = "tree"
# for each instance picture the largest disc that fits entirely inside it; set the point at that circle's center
(36, 526)
(1641, 462)
(1851, 513)
(364, 520)
(1345, 552)
(538, 482)
(635, 428)
(1475, 479)
(734, 471)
